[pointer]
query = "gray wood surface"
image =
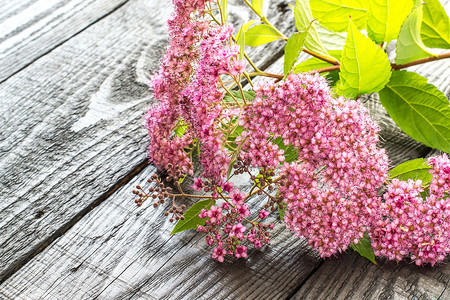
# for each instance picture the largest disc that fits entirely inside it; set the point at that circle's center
(120, 251)
(32, 28)
(350, 276)
(72, 126)
(74, 130)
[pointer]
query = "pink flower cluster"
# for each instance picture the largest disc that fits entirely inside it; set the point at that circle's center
(187, 89)
(176, 68)
(224, 227)
(412, 226)
(332, 190)
(201, 98)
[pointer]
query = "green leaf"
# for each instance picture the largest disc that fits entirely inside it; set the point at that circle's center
(191, 218)
(364, 248)
(435, 31)
(316, 63)
(330, 40)
(249, 95)
(412, 169)
(224, 9)
(260, 34)
(409, 43)
(180, 181)
(290, 152)
(365, 68)
(311, 64)
(418, 108)
(292, 50)
(303, 20)
(334, 14)
(258, 6)
(240, 38)
(385, 18)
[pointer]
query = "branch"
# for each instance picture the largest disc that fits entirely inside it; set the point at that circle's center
(421, 61)
(330, 61)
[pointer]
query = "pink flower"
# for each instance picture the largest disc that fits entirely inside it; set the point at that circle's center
(227, 187)
(237, 197)
(241, 252)
(219, 253)
(238, 231)
(215, 214)
(263, 214)
(243, 210)
(198, 184)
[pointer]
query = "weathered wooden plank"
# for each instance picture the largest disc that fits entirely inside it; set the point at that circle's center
(72, 126)
(31, 28)
(350, 276)
(119, 251)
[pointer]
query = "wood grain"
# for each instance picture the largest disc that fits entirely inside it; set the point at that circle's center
(119, 251)
(32, 28)
(72, 126)
(350, 276)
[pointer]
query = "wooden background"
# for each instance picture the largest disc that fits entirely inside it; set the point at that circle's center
(73, 90)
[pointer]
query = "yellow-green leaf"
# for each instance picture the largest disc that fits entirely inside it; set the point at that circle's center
(240, 38)
(260, 34)
(224, 9)
(311, 64)
(330, 40)
(303, 20)
(418, 108)
(409, 43)
(365, 68)
(412, 169)
(292, 50)
(435, 30)
(385, 17)
(258, 6)
(334, 14)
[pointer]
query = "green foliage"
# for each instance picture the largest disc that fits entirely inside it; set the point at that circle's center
(365, 68)
(290, 152)
(364, 248)
(385, 18)
(240, 38)
(416, 169)
(249, 95)
(334, 14)
(303, 21)
(314, 63)
(292, 50)
(191, 218)
(257, 6)
(224, 9)
(311, 64)
(435, 30)
(409, 43)
(261, 34)
(418, 108)
(330, 40)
